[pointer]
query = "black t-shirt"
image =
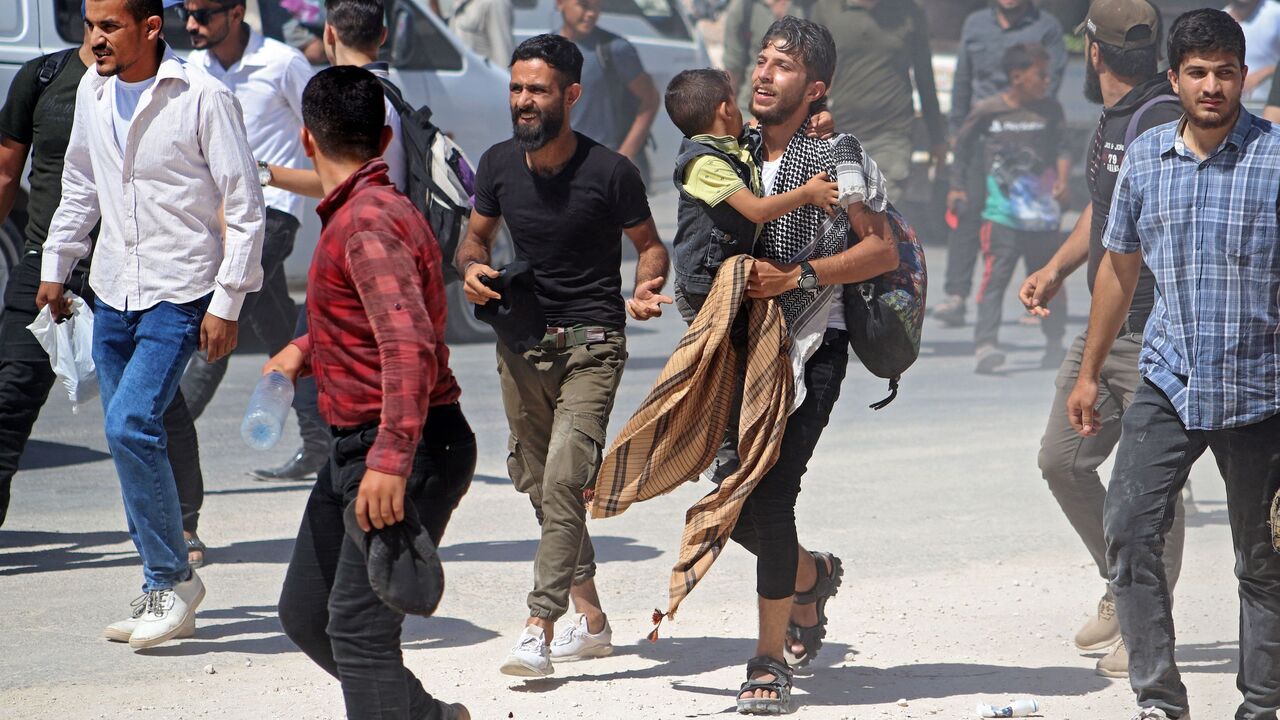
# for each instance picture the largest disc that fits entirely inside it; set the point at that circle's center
(567, 227)
(42, 120)
(1106, 153)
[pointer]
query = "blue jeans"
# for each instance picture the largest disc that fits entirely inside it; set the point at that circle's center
(140, 355)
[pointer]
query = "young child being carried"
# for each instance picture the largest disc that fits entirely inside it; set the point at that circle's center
(722, 204)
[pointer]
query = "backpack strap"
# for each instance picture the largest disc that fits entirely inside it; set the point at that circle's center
(1131, 133)
(50, 67)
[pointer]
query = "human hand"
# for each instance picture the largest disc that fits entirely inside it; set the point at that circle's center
(54, 295)
(288, 362)
(1082, 407)
(938, 157)
(646, 302)
(218, 337)
(821, 191)
(771, 279)
(822, 125)
(1061, 189)
(1039, 289)
(476, 291)
(380, 501)
(955, 199)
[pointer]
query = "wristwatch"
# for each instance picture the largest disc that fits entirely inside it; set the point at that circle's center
(808, 277)
(264, 173)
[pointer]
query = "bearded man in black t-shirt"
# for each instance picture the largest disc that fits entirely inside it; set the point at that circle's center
(36, 119)
(567, 201)
(1121, 47)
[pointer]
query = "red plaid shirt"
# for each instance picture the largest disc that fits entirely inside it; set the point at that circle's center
(376, 309)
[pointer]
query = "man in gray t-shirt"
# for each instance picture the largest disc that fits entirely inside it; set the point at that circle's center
(619, 100)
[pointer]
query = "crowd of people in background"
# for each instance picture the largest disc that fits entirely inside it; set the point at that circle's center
(167, 194)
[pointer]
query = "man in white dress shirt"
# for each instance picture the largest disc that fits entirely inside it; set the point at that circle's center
(158, 153)
(267, 78)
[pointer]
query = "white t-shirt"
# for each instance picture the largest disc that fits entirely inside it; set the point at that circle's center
(769, 173)
(124, 104)
(397, 165)
(1262, 41)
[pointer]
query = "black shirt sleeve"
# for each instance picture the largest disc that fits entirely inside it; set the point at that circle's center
(629, 201)
(18, 116)
(486, 193)
(1167, 112)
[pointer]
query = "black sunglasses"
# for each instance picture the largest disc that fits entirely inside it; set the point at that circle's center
(202, 16)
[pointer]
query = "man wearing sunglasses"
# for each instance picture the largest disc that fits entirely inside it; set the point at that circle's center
(267, 78)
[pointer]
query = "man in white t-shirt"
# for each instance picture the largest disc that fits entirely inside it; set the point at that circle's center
(803, 263)
(1260, 20)
(267, 78)
(353, 32)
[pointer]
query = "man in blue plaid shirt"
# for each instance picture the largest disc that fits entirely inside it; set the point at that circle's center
(1199, 198)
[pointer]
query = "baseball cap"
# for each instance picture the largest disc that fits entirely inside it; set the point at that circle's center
(1126, 24)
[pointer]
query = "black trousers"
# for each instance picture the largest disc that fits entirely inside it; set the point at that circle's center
(767, 525)
(306, 402)
(269, 313)
(26, 379)
(327, 606)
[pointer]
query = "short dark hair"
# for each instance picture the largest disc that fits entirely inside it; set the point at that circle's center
(143, 9)
(343, 109)
(1204, 30)
(808, 41)
(358, 23)
(693, 97)
(1023, 56)
(558, 52)
(1133, 63)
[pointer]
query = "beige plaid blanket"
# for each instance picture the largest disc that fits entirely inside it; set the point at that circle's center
(674, 434)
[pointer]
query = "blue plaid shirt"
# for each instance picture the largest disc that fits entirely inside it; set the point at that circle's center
(1208, 230)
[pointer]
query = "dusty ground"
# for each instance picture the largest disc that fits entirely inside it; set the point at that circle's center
(964, 581)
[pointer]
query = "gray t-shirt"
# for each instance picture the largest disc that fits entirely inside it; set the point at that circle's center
(602, 114)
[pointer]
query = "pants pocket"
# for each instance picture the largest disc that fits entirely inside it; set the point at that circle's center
(586, 442)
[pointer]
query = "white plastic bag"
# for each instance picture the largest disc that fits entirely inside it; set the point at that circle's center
(70, 348)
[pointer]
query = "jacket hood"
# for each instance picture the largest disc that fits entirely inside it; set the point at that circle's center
(1154, 86)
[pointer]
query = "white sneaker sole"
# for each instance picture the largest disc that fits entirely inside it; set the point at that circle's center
(589, 654)
(143, 643)
(518, 668)
(187, 630)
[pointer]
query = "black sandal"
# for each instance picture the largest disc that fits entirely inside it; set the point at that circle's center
(824, 588)
(780, 684)
(194, 544)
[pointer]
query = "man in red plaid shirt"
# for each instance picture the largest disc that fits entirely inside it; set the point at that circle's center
(376, 311)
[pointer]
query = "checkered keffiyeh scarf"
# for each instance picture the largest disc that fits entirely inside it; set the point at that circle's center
(674, 434)
(808, 232)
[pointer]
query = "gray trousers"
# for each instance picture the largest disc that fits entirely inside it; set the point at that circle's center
(1069, 462)
(558, 404)
(1155, 456)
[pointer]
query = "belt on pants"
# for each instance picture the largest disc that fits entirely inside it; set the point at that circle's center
(1132, 326)
(559, 338)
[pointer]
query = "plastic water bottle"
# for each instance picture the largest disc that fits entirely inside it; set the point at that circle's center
(268, 407)
(1018, 708)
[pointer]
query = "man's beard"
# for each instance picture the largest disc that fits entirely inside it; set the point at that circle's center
(532, 138)
(1213, 122)
(784, 108)
(1092, 84)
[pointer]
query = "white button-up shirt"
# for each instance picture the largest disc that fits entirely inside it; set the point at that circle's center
(162, 199)
(268, 80)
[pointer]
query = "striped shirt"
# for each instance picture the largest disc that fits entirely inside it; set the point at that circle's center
(1208, 229)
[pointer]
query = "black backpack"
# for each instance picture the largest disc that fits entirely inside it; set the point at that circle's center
(51, 66)
(440, 180)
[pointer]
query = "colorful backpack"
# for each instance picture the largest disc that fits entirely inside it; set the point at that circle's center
(885, 314)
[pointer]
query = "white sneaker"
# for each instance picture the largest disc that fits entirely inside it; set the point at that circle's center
(166, 612)
(530, 657)
(122, 630)
(1157, 714)
(575, 642)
